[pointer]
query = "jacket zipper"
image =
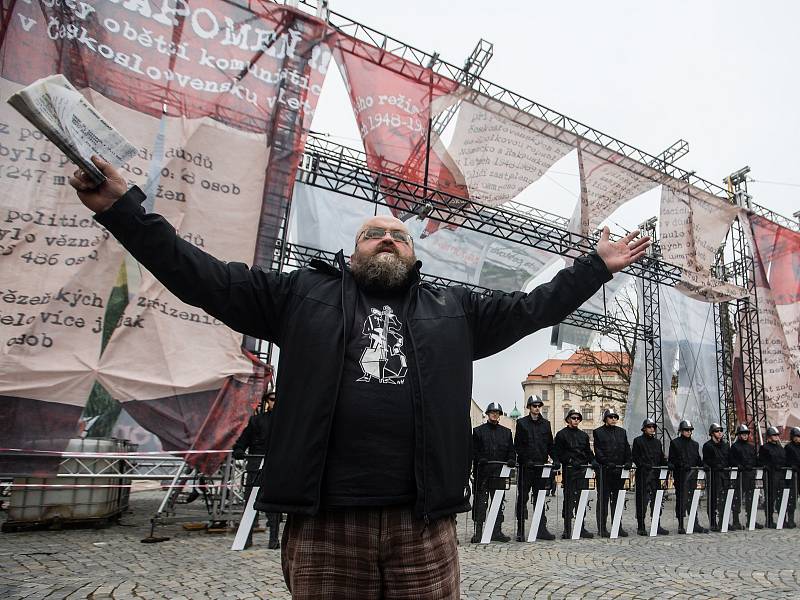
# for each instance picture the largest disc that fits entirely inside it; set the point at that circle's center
(423, 487)
(338, 383)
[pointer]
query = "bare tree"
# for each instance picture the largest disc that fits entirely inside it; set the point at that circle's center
(608, 368)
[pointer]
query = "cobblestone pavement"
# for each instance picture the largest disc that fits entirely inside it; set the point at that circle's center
(112, 563)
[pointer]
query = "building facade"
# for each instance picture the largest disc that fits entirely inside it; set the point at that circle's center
(588, 381)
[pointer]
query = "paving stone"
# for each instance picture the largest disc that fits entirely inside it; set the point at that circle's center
(112, 563)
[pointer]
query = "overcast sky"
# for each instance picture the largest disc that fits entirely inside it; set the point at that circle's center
(721, 75)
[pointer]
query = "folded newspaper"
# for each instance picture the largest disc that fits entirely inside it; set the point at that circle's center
(60, 112)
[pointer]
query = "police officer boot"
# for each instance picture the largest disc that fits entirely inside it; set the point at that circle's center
(699, 528)
(476, 537)
(273, 544)
(640, 528)
(622, 532)
(586, 534)
(499, 536)
(661, 531)
(520, 535)
(790, 524)
(735, 525)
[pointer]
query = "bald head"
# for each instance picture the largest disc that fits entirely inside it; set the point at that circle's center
(381, 262)
(384, 221)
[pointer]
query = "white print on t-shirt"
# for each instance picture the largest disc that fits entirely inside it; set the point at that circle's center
(383, 359)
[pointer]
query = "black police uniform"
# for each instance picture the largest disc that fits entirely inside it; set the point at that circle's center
(490, 442)
(743, 456)
(772, 456)
(647, 454)
(611, 452)
(534, 444)
(792, 451)
(253, 442)
(572, 450)
(715, 457)
(684, 453)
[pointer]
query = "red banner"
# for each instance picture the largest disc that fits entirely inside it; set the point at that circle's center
(217, 97)
(392, 101)
(778, 250)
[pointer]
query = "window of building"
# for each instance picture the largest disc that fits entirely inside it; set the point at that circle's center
(588, 413)
(545, 412)
(566, 394)
(544, 395)
(567, 408)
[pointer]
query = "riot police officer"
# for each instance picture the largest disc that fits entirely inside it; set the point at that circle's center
(684, 454)
(252, 444)
(715, 457)
(612, 453)
(572, 450)
(792, 450)
(534, 444)
(772, 456)
(743, 456)
(491, 444)
(647, 455)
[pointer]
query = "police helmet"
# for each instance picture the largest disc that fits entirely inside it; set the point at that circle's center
(685, 425)
(493, 406)
(742, 429)
(573, 412)
(648, 422)
(772, 430)
(534, 401)
(609, 412)
(714, 427)
(795, 431)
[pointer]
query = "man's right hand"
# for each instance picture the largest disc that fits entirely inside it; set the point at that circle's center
(99, 198)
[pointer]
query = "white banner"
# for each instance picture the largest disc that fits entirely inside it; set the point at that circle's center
(693, 224)
(500, 158)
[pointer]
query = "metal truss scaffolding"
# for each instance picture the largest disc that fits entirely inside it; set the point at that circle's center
(746, 316)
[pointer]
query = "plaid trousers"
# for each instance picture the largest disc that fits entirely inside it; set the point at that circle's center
(370, 553)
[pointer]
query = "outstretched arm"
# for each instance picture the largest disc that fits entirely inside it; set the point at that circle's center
(502, 319)
(250, 301)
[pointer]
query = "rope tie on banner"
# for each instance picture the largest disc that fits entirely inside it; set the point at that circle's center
(154, 168)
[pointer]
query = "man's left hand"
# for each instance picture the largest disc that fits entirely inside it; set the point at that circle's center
(626, 251)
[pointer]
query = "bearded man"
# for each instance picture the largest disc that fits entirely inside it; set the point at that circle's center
(371, 457)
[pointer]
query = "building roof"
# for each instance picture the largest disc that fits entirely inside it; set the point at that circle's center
(576, 364)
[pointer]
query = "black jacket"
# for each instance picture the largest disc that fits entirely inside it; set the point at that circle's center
(534, 440)
(571, 447)
(491, 442)
(792, 452)
(254, 439)
(307, 313)
(716, 455)
(684, 453)
(647, 452)
(742, 455)
(772, 455)
(611, 445)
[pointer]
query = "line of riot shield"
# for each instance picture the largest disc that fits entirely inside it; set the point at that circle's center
(492, 481)
(533, 483)
(651, 484)
(689, 487)
(612, 481)
(578, 480)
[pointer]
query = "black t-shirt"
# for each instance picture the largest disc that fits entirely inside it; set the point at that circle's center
(370, 459)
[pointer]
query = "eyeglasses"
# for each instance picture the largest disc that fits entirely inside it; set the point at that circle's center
(612, 417)
(574, 418)
(377, 233)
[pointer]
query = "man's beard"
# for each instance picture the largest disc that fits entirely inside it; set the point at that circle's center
(384, 271)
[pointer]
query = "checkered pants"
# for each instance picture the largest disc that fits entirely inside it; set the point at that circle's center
(380, 553)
